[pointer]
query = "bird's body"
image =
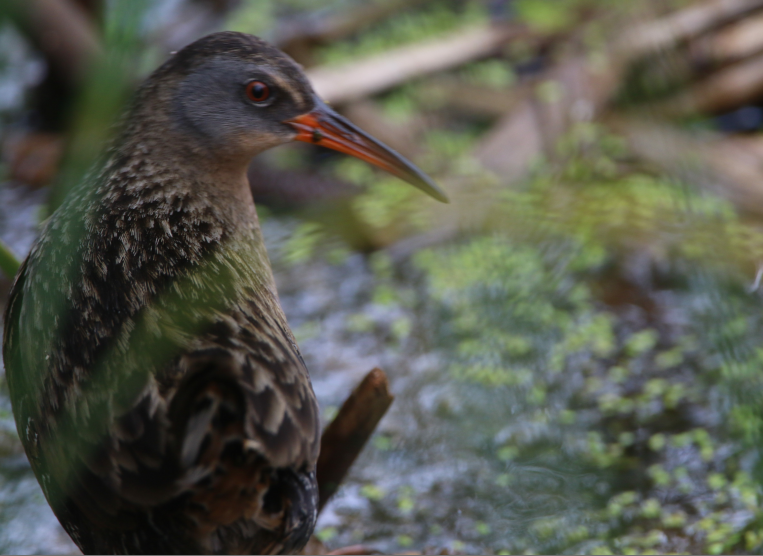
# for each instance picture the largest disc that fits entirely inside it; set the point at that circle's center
(156, 386)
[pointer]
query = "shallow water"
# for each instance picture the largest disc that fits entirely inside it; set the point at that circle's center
(530, 415)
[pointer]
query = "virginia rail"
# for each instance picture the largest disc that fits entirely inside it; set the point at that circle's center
(157, 389)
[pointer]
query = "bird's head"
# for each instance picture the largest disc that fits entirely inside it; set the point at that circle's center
(237, 96)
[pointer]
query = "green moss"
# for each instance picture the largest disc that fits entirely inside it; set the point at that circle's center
(387, 202)
(716, 481)
(360, 323)
(674, 520)
(619, 503)
(670, 358)
(626, 438)
(404, 540)
(545, 528)
(674, 394)
(549, 378)
(385, 294)
(507, 453)
(578, 534)
(482, 528)
(545, 16)
(401, 105)
(651, 508)
(405, 501)
(659, 475)
(566, 417)
(326, 534)
(496, 74)
(372, 492)
(641, 342)
(401, 328)
(457, 546)
(382, 442)
(657, 442)
(302, 244)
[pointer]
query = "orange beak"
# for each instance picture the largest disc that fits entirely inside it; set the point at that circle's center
(326, 128)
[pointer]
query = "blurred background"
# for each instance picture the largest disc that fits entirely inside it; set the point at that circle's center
(575, 342)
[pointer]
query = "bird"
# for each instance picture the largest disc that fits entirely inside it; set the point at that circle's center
(159, 394)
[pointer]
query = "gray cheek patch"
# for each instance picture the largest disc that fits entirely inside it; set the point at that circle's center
(209, 103)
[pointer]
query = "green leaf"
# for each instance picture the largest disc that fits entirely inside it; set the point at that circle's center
(9, 264)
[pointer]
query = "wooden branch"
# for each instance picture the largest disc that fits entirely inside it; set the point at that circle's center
(682, 26)
(470, 99)
(729, 44)
(66, 35)
(573, 91)
(344, 438)
(723, 90)
(362, 78)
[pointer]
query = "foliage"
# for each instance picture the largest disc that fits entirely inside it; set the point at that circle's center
(9, 264)
(104, 94)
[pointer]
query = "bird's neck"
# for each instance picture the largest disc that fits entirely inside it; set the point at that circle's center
(172, 202)
(160, 163)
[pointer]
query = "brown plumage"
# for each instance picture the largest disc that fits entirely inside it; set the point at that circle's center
(156, 386)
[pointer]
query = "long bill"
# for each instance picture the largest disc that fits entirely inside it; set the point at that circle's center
(326, 128)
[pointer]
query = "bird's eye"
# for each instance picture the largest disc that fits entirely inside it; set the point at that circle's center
(257, 91)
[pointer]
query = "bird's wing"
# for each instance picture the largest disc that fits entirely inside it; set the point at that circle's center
(247, 441)
(223, 456)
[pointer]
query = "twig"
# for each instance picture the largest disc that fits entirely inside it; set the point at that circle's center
(344, 438)
(575, 90)
(682, 26)
(359, 79)
(468, 98)
(723, 90)
(732, 43)
(65, 34)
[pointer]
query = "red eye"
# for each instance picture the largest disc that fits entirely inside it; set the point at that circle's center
(257, 91)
